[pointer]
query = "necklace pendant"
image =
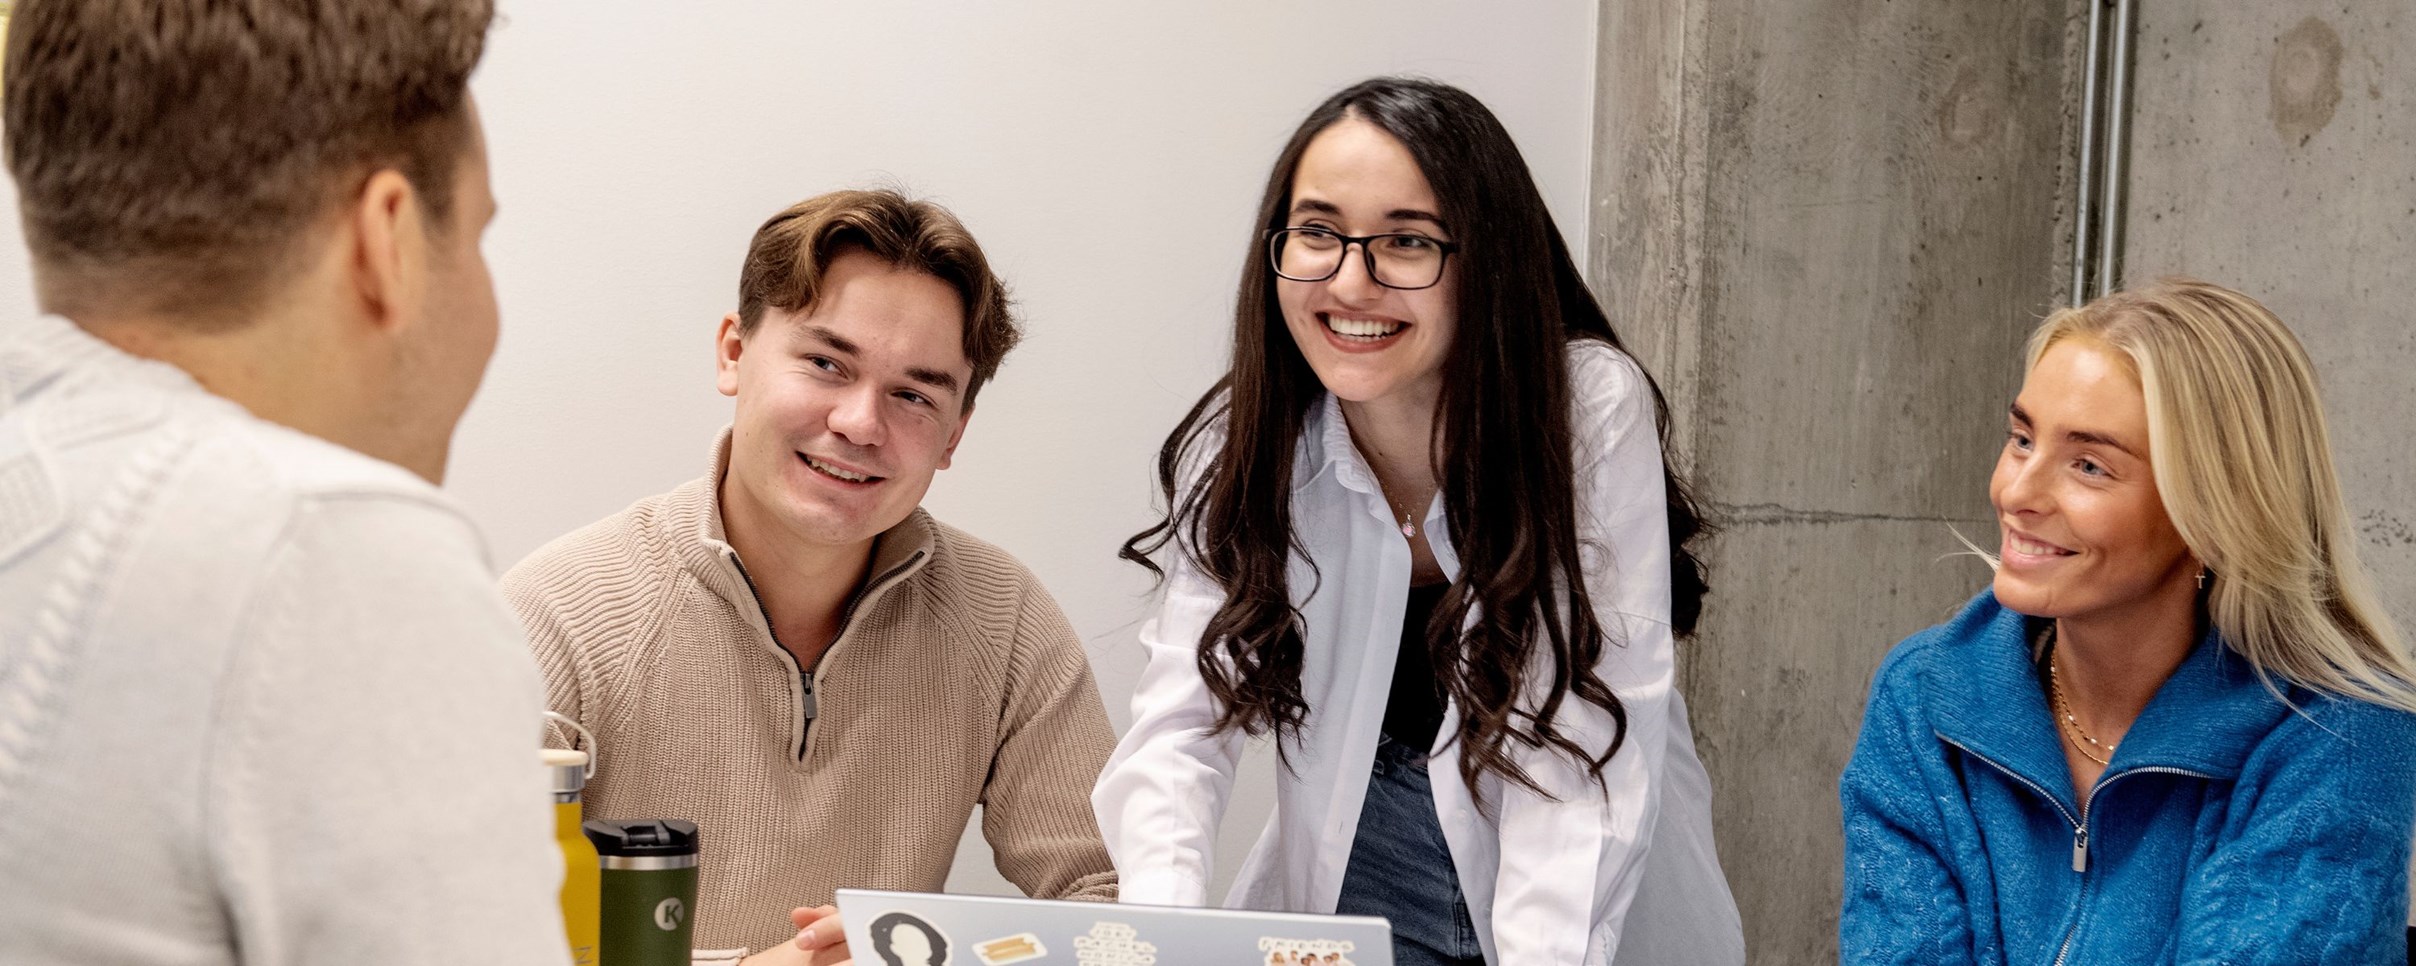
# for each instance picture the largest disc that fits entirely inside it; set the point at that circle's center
(1409, 529)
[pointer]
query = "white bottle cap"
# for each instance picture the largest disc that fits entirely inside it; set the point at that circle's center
(568, 770)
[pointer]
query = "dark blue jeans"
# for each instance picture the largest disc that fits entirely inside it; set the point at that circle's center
(1401, 869)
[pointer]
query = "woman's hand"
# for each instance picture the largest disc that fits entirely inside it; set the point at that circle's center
(820, 936)
(820, 941)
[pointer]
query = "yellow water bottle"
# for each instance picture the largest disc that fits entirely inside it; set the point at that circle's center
(582, 876)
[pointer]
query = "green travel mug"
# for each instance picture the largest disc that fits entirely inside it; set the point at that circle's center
(649, 892)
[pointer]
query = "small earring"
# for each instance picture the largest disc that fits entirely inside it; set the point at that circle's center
(2203, 573)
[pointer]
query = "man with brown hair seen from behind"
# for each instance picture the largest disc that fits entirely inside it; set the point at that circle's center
(789, 651)
(259, 701)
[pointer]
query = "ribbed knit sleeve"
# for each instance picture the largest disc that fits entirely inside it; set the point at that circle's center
(1053, 740)
(550, 646)
(586, 601)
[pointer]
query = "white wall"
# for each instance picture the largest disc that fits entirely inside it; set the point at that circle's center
(1108, 155)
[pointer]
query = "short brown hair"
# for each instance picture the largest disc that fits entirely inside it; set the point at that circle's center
(786, 260)
(170, 153)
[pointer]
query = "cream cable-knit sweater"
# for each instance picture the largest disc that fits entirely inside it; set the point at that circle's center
(259, 701)
(955, 682)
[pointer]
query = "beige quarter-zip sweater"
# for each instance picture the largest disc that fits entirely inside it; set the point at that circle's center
(954, 682)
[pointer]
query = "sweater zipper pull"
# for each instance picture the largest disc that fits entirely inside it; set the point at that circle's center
(807, 708)
(2080, 848)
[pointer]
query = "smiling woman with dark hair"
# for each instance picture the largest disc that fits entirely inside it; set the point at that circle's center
(1425, 522)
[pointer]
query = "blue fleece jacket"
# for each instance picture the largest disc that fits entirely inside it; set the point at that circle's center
(2227, 829)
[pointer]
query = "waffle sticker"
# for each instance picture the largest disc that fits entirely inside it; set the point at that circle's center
(1306, 952)
(1114, 944)
(1011, 949)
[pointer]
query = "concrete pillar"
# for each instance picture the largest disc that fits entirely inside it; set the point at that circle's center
(2274, 150)
(1827, 226)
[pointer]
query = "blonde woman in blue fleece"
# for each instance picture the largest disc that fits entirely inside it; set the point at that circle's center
(2178, 729)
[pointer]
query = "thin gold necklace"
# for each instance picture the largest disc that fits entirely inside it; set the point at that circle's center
(1409, 519)
(2069, 725)
(1409, 522)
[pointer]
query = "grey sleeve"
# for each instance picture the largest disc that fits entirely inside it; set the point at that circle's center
(374, 795)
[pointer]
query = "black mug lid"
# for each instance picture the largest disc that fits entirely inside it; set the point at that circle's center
(668, 836)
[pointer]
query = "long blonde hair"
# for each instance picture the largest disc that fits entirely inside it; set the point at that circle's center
(2243, 458)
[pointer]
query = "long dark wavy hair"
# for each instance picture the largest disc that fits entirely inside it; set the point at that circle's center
(1502, 453)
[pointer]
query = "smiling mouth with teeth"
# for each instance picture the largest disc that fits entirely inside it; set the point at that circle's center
(2036, 548)
(836, 473)
(1366, 329)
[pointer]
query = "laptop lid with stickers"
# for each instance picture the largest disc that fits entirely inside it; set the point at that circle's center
(926, 929)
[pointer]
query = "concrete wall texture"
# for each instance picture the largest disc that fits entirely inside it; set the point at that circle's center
(1828, 225)
(2274, 150)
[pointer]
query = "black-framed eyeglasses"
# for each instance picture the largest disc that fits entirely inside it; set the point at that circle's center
(1395, 260)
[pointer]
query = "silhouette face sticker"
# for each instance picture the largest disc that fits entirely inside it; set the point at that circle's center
(903, 939)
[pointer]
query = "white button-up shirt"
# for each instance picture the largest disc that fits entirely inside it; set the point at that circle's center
(1577, 880)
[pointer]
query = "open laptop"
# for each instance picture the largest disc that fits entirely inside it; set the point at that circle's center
(924, 929)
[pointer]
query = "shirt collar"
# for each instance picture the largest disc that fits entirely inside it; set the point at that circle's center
(1335, 453)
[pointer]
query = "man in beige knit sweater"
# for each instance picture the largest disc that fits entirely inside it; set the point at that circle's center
(794, 655)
